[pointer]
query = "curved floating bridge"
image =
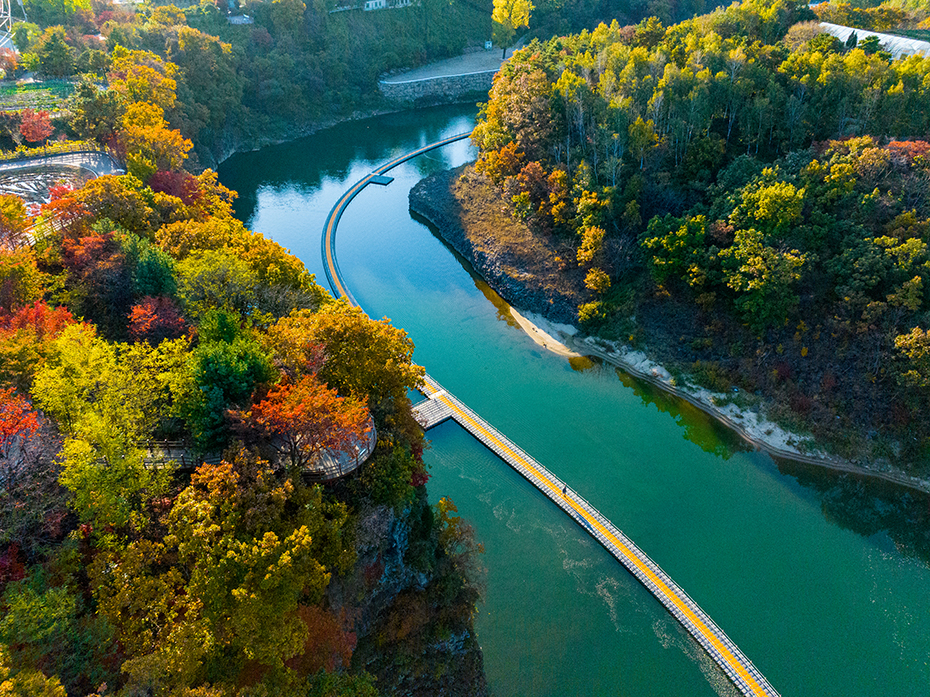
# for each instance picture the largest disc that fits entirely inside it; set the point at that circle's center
(441, 405)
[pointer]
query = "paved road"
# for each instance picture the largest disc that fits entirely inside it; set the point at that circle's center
(479, 61)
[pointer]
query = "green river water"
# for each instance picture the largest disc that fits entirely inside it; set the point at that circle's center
(822, 580)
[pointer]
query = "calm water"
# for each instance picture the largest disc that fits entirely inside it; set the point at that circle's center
(822, 581)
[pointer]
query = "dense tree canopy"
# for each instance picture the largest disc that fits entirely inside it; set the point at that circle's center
(761, 172)
(138, 316)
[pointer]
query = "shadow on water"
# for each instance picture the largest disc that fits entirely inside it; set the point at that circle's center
(503, 309)
(864, 505)
(579, 364)
(432, 162)
(868, 506)
(330, 154)
(699, 427)
(501, 305)
(582, 364)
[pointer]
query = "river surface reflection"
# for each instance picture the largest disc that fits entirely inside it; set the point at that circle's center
(821, 579)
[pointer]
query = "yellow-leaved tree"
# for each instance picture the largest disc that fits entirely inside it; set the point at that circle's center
(508, 16)
(149, 143)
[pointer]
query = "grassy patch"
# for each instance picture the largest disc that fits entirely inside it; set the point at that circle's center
(46, 95)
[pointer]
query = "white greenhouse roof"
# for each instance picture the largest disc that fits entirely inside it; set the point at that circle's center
(897, 46)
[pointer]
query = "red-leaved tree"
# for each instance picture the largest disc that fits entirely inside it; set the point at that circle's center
(306, 418)
(156, 319)
(66, 213)
(46, 322)
(24, 341)
(18, 423)
(36, 126)
(179, 184)
(330, 641)
(9, 62)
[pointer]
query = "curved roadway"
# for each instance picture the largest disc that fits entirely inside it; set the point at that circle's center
(97, 162)
(737, 667)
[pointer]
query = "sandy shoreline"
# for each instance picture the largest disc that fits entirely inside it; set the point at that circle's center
(565, 340)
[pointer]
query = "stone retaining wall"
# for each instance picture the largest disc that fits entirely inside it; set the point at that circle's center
(447, 88)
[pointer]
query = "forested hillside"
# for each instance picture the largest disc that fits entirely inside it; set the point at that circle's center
(750, 203)
(295, 66)
(135, 311)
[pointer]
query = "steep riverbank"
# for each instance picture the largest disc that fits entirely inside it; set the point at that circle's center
(415, 635)
(530, 273)
(533, 276)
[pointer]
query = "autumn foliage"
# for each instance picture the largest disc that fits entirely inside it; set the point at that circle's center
(181, 185)
(13, 222)
(36, 126)
(156, 319)
(306, 418)
(43, 321)
(140, 317)
(24, 339)
(330, 642)
(17, 420)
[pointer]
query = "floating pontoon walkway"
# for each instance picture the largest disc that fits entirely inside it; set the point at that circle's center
(440, 405)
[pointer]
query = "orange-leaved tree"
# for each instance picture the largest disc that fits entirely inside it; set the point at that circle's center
(18, 422)
(306, 418)
(367, 359)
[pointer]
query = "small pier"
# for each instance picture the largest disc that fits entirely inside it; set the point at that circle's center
(432, 412)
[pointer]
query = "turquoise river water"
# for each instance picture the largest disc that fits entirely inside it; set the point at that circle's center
(822, 580)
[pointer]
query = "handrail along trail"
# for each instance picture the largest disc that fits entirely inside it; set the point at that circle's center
(441, 405)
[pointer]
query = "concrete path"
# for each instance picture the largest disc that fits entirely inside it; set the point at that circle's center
(476, 62)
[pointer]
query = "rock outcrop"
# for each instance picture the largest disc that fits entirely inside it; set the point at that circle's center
(529, 271)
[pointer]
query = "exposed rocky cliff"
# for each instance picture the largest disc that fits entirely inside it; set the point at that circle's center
(412, 613)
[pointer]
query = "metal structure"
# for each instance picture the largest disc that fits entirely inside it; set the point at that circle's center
(897, 46)
(6, 24)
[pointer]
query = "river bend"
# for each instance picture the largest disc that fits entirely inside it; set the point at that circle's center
(824, 580)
